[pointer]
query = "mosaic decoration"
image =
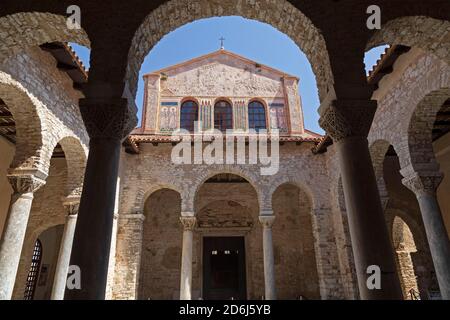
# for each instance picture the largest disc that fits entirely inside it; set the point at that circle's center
(168, 116)
(277, 117)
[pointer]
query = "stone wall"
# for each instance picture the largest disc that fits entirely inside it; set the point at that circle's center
(159, 275)
(151, 170)
(295, 259)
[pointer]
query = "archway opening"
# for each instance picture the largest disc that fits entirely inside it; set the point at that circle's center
(400, 200)
(441, 148)
(295, 260)
(227, 240)
(405, 247)
(258, 41)
(39, 282)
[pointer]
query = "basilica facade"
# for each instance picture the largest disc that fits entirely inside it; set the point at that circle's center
(192, 222)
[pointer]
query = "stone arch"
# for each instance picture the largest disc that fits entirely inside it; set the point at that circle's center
(251, 178)
(280, 14)
(417, 231)
(378, 150)
(402, 237)
(27, 111)
(297, 183)
(424, 32)
(76, 155)
(142, 195)
(419, 134)
(26, 29)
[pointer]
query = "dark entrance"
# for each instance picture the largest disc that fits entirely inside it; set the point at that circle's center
(224, 268)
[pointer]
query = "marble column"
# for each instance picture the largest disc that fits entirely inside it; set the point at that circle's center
(108, 122)
(62, 266)
(269, 263)
(424, 187)
(24, 186)
(188, 223)
(348, 123)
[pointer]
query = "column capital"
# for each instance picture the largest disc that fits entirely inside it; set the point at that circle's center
(26, 182)
(423, 184)
(108, 118)
(347, 118)
(267, 221)
(72, 205)
(188, 222)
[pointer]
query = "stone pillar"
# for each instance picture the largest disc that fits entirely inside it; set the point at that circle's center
(107, 122)
(186, 257)
(348, 123)
(24, 186)
(424, 187)
(62, 266)
(269, 263)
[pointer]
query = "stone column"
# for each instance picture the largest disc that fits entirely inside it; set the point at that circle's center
(186, 257)
(24, 186)
(108, 122)
(62, 267)
(269, 263)
(425, 188)
(348, 123)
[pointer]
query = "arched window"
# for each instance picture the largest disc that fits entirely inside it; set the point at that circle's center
(223, 116)
(189, 114)
(256, 116)
(33, 274)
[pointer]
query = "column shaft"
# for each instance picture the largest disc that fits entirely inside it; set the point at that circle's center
(92, 240)
(437, 240)
(62, 266)
(269, 262)
(186, 258)
(12, 241)
(369, 234)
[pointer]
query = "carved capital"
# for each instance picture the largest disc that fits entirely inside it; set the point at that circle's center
(25, 183)
(423, 184)
(267, 221)
(108, 118)
(347, 118)
(188, 223)
(72, 205)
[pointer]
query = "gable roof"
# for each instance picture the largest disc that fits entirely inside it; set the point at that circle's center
(221, 52)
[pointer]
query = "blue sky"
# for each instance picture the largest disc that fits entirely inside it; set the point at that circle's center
(252, 39)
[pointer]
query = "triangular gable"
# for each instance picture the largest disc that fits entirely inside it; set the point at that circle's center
(217, 54)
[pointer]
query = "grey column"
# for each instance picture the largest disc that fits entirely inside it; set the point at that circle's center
(269, 263)
(348, 123)
(425, 188)
(108, 122)
(62, 266)
(15, 227)
(186, 257)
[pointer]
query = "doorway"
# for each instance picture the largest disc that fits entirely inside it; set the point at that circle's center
(224, 275)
